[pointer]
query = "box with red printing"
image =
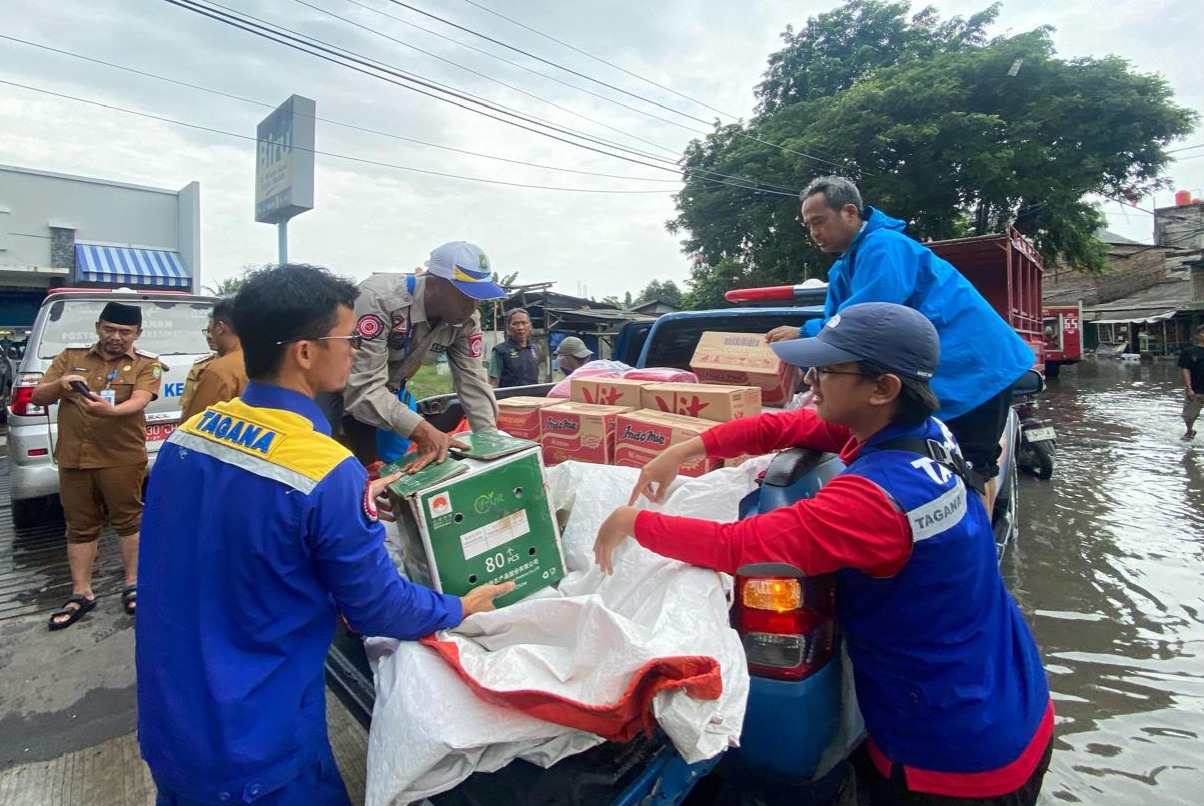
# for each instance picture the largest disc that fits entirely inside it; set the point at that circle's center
(581, 432)
(705, 400)
(606, 391)
(643, 435)
(746, 359)
(519, 416)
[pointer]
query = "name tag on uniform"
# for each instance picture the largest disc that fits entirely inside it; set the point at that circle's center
(109, 396)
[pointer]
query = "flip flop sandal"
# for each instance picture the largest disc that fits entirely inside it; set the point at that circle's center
(129, 599)
(73, 614)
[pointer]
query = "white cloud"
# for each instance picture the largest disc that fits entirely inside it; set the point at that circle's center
(371, 218)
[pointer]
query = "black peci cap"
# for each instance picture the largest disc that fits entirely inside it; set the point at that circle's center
(119, 314)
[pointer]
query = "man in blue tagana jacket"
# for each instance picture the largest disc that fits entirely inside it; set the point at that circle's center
(981, 355)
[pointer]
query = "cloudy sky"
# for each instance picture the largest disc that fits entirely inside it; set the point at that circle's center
(370, 215)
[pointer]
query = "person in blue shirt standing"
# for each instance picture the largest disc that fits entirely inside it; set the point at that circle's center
(981, 355)
(266, 530)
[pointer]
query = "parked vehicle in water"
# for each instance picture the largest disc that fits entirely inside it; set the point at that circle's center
(1037, 437)
(786, 622)
(172, 326)
(1063, 337)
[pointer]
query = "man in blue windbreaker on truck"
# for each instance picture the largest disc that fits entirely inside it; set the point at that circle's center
(981, 355)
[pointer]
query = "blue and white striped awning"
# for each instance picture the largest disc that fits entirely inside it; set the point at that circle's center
(127, 266)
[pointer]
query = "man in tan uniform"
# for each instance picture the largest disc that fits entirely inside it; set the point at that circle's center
(403, 319)
(225, 377)
(101, 448)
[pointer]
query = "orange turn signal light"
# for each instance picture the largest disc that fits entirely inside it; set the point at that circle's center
(780, 595)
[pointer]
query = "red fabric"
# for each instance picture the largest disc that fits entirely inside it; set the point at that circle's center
(987, 784)
(617, 721)
(660, 375)
(816, 535)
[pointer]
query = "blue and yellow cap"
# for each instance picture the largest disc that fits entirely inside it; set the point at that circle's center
(467, 268)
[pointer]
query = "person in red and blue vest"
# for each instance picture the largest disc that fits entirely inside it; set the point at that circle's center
(949, 679)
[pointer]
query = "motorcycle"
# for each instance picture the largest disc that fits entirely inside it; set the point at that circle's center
(1038, 440)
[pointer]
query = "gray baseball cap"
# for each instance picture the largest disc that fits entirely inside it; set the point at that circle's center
(895, 337)
(571, 345)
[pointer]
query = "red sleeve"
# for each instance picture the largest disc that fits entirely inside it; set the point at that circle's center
(772, 432)
(850, 523)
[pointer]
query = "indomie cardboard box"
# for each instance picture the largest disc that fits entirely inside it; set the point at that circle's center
(745, 359)
(519, 416)
(705, 400)
(641, 436)
(606, 391)
(489, 524)
(582, 432)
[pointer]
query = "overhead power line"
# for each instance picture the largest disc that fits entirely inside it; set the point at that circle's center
(331, 121)
(360, 160)
(499, 82)
(598, 59)
(432, 89)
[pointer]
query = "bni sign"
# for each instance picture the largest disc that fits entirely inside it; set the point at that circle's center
(284, 164)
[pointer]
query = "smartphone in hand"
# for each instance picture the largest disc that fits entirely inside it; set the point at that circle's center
(82, 388)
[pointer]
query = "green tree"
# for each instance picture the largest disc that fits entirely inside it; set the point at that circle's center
(227, 285)
(656, 290)
(953, 131)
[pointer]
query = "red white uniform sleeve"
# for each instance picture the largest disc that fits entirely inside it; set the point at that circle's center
(850, 523)
(772, 432)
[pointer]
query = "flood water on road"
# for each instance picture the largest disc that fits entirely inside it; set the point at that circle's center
(1109, 568)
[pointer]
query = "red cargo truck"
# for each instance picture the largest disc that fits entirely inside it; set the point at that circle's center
(1063, 337)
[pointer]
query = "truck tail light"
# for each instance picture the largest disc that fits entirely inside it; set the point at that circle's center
(22, 399)
(787, 624)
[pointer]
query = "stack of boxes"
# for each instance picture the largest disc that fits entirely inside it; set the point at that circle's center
(629, 422)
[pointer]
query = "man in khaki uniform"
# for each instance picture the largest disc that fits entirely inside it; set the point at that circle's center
(225, 377)
(403, 319)
(101, 448)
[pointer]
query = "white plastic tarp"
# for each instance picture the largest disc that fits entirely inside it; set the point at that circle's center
(582, 641)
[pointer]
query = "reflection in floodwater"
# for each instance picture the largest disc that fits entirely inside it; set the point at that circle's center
(1109, 568)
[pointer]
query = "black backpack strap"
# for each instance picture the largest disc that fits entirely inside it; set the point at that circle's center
(937, 452)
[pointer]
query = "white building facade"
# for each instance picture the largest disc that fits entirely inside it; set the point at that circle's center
(62, 230)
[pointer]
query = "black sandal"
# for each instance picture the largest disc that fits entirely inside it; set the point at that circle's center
(73, 614)
(129, 599)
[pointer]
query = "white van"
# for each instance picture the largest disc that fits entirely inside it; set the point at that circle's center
(173, 325)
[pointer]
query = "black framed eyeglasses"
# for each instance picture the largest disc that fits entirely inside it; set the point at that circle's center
(355, 340)
(822, 372)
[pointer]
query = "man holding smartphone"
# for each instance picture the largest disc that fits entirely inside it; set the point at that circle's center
(102, 390)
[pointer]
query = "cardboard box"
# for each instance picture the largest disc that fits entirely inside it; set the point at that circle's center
(519, 416)
(582, 432)
(491, 524)
(606, 391)
(704, 400)
(643, 435)
(745, 359)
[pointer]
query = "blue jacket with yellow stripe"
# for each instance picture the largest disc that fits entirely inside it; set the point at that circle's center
(255, 537)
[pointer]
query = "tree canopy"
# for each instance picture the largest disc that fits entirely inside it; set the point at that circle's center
(666, 291)
(939, 124)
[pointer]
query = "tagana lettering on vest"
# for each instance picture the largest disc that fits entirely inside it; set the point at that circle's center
(251, 437)
(631, 434)
(936, 516)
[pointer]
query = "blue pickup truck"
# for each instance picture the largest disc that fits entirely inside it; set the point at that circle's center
(786, 622)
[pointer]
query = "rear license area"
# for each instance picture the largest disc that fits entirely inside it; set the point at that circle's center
(157, 432)
(1038, 434)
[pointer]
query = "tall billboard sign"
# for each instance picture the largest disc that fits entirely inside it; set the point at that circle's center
(284, 164)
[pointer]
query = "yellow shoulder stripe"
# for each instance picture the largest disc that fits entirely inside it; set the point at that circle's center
(280, 437)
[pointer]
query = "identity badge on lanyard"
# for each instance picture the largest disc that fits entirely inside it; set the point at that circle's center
(108, 394)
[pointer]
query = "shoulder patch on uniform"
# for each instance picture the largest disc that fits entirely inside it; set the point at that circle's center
(370, 326)
(157, 371)
(145, 353)
(475, 342)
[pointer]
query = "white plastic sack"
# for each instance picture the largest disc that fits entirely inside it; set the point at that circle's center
(582, 641)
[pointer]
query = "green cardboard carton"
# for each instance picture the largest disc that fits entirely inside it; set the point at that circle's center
(490, 523)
